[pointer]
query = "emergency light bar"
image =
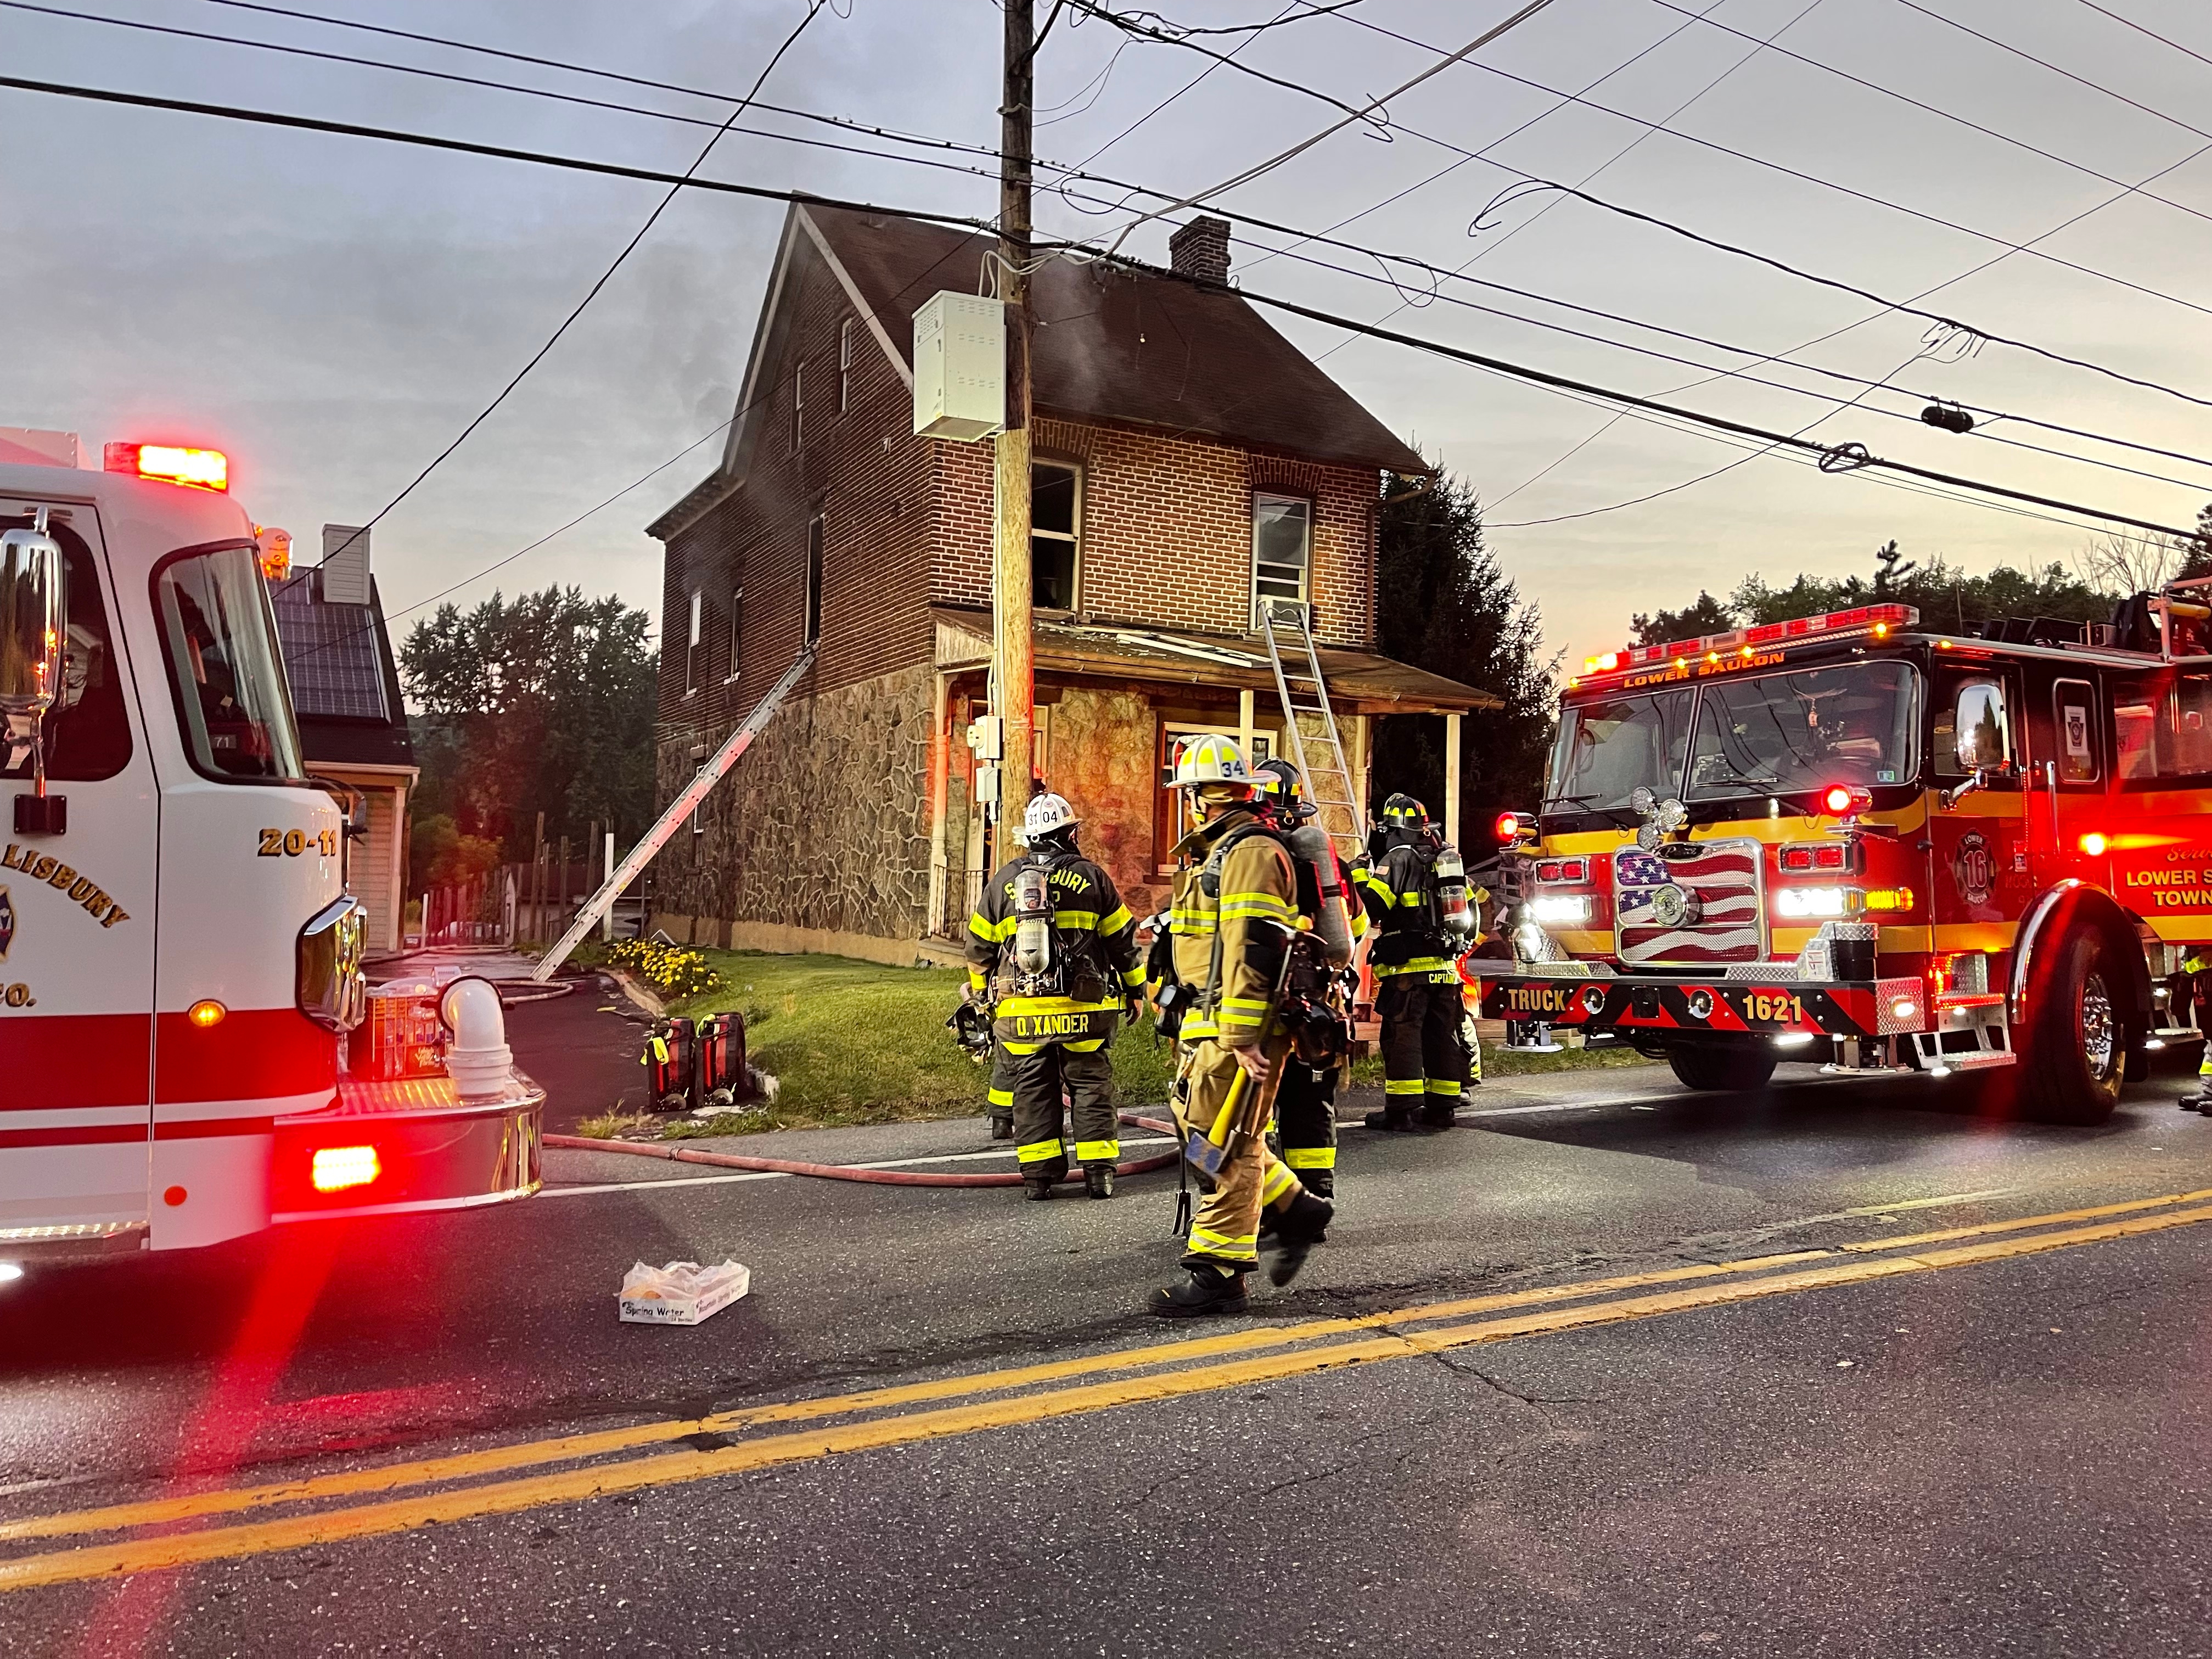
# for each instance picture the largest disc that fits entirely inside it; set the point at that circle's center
(195, 469)
(1879, 620)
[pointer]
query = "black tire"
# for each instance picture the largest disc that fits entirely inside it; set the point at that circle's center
(2071, 1064)
(1701, 1066)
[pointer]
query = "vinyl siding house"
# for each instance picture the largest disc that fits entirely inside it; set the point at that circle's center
(1190, 461)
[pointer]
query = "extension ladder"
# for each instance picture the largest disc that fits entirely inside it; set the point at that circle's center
(709, 773)
(1309, 724)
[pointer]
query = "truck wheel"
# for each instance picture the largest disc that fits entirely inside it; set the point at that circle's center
(2075, 1050)
(1700, 1066)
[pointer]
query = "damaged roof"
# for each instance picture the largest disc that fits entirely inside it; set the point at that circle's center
(1125, 346)
(1360, 682)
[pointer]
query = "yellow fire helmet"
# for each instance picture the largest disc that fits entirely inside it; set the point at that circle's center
(1210, 758)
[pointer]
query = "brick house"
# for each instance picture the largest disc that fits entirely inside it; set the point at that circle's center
(1188, 461)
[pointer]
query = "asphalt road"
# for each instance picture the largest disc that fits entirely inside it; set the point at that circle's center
(1601, 1372)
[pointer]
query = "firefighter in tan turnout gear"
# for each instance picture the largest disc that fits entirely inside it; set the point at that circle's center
(1234, 917)
(1053, 952)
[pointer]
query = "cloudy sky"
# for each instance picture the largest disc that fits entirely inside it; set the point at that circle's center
(334, 311)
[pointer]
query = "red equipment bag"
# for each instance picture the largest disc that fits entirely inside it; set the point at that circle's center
(721, 1078)
(672, 1063)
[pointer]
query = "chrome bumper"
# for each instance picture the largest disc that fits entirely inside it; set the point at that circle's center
(432, 1149)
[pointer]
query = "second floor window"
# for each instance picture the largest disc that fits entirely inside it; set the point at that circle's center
(813, 613)
(845, 365)
(797, 405)
(1282, 550)
(1055, 520)
(736, 632)
(692, 643)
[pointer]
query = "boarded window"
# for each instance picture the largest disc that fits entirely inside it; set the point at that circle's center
(814, 614)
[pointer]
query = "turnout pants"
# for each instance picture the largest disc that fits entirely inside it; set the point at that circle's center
(1424, 1064)
(1226, 1232)
(1305, 1114)
(1029, 1085)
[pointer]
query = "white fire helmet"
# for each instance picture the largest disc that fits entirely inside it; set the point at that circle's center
(1045, 814)
(1211, 758)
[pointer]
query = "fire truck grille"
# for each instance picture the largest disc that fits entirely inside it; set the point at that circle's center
(1706, 907)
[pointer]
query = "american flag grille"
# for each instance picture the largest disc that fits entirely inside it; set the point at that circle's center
(1720, 884)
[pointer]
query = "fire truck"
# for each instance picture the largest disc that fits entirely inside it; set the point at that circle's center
(180, 964)
(1856, 840)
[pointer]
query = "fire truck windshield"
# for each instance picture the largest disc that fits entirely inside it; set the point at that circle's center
(220, 638)
(1780, 734)
(1770, 734)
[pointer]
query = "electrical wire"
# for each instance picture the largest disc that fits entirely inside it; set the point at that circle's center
(1783, 266)
(1189, 86)
(2186, 51)
(1938, 111)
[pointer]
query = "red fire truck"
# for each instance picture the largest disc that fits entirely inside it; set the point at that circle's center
(179, 961)
(1859, 841)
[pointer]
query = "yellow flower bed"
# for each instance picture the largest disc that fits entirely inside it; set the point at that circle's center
(674, 971)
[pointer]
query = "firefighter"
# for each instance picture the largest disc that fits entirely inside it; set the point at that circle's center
(1233, 916)
(2194, 963)
(1427, 1059)
(1052, 949)
(1305, 1102)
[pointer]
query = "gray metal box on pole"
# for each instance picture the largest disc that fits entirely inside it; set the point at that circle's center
(959, 367)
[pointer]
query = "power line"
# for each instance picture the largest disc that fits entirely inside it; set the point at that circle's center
(1938, 111)
(1837, 457)
(1779, 265)
(1794, 173)
(2163, 40)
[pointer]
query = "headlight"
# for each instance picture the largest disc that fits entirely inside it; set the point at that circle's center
(1812, 901)
(1532, 944)
(1556, 908)
(330, 989)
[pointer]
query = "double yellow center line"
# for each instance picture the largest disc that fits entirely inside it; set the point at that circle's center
(1128, 1377)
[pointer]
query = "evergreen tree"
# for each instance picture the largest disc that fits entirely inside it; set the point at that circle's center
(1444, 605)
(1707, 616)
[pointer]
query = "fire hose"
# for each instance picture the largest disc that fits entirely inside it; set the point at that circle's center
(852, 1172)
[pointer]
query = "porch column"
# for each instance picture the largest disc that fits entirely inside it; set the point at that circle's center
(940, 787)
(1451, 779)
(1244, 724)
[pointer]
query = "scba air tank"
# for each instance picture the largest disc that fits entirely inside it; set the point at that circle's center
(1450, 873)
(1032, 919)
(1332, 926)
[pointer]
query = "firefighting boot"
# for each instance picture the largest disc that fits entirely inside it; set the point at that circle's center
(1206, 1289)
(1098, 1180)
(1431, 1120)
(2195, 1102)
(1396, 1122)
(1002, 1126)
(1299, 1225)
(1037, 1189)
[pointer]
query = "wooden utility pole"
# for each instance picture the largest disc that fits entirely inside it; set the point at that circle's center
(1012, 612)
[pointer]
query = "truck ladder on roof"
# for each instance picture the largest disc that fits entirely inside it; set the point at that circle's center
(1309, 724)
(708, 775)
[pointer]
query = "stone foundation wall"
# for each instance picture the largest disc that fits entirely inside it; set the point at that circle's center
(820, 829)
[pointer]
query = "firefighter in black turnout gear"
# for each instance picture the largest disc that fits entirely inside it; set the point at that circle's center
(1305, 1102)
(1415, 887)
(1053, 952)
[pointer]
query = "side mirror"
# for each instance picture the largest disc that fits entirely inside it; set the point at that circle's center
(33, 620)
(1980, 734)
(33, 623)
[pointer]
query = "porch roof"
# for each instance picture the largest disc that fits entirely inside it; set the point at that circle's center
(1360, 682)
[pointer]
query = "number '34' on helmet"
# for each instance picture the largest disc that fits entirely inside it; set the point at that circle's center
(1210, 758)
(1047, 814)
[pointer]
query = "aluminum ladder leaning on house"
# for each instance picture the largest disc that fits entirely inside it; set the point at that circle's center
(708, 775)
(1309, 724)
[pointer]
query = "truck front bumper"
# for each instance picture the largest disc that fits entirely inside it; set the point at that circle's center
(390, 1148)
(1629, 1008)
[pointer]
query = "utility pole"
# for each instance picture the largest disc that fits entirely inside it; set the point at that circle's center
(1011, 613)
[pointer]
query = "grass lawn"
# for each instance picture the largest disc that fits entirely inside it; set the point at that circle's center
(857, 1042)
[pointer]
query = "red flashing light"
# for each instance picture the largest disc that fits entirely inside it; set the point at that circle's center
(1509, 827)
(1842, 799)
(1744, 643)
(194, 469)
(337, 1168)
(2094, 844)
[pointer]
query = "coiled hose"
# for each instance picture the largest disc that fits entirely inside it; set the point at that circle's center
(679, 1154)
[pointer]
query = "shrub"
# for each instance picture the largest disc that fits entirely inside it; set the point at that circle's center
(674, 971)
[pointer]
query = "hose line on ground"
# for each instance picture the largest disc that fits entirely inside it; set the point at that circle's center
(680, 1154)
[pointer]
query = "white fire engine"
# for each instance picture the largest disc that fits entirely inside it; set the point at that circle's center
(179, 961)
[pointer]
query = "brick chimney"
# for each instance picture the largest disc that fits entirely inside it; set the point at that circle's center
(1200, 249)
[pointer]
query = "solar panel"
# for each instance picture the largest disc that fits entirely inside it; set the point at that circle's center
(330, 652)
